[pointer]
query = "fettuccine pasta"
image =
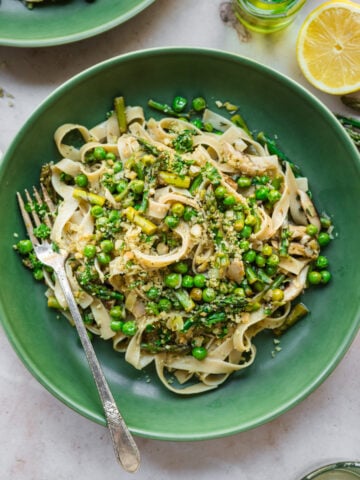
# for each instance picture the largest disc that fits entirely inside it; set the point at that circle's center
(183, 243)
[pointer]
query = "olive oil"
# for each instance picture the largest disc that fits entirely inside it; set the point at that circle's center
(266, 16)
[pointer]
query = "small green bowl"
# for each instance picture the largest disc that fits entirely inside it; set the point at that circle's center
(62, 22)
(311, 137)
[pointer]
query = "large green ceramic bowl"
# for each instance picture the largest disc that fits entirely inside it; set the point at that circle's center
(308, 133)
(62, 22)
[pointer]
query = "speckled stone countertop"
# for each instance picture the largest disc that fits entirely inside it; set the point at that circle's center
(42, 439)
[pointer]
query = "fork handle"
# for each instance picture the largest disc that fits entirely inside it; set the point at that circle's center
(124, 445)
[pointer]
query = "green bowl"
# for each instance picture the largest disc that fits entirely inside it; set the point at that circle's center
(62, 22)
(308, 133)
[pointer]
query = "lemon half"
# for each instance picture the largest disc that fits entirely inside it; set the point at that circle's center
(328, 47)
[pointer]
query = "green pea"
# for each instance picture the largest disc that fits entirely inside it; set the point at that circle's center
(260, 260)
(200, 353)
(107, 246)
(173, 280)
(273, 260)
(178, 209)
(102, 221)
(199, 280)
(325, 222)
(114, 215)
(103, 258)
(325, 276)
(187, 281)
(116, 325)
(96, 211)
(274, 196)
(229, 200)
(137, 186)
(208, 294)
(118, 167)
(129, 328)
(312, 230)
(180, 267)
(261, 193)
(244, 182)
(250, 220)
(116, 311)
(179, 103)
(239, 292)
(199, 104)
(314, 277)
(220, 191)
(99, 153)
(38, 274)
(110, 156)
(153, 293)
(238, 225)
(81, 180)
(250, 256)
(208, 127)
(196, 294)
(89, 251)
(121, 185)
(277, 295)
(244, 245)
(264, 179)
(271, 269)
(171, 221)
(164, 305)
(267, 250)
(246, 231)
(324, 239)
(322, 262)
(24, 246)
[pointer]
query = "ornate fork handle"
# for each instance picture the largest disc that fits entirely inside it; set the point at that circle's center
(124, 445)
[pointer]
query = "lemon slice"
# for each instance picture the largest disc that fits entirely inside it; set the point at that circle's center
(328, 47)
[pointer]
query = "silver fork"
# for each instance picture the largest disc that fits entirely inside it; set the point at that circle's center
(124, 445)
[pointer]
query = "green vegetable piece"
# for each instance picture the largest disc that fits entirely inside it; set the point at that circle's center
(171, 221)
(90, 197)
(52, 302)
(180, 181)
(129, 328)
(173, 280)
(324, 239)
(195, 184)
(153, 293)
(312, 230)
(298, 312)
(164, 305)
(198, 104)
(89, 251)
(24, 247)
(116, 311)
(81, 180)
(99, 153)
(321, 262)
(200, 353)
(208, 294)
(199, 280)
(42, 231)
(180, 267)
(325, 276)
(314, 277)
(103, 258)
(244, 182)
(185, 300)
(146, 225)
(187, 281)
(119, 106)
(116, 325)
(107, 246)
(179, 103)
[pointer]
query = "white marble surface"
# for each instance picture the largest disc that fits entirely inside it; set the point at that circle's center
(40, 438)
